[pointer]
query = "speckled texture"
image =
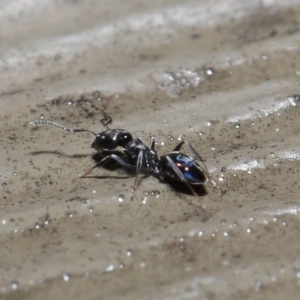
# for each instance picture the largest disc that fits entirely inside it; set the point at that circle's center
(223, 75)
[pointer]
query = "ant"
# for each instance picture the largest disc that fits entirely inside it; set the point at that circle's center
(137, 157)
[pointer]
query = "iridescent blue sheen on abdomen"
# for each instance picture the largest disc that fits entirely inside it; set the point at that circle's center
(190, 169)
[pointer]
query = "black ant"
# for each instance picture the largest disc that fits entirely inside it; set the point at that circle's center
(136, 156)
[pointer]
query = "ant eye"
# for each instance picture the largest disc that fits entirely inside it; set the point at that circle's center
(104, 142)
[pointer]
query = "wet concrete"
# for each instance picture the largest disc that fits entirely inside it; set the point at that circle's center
(223, 76)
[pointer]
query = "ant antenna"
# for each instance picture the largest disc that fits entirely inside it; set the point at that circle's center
(53, 124)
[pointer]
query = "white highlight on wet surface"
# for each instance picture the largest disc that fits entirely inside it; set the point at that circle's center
(247, 166)
(293, 210)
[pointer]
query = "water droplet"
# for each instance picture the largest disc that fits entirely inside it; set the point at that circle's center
(15, 173)
(129, 253)
(145, 200)
(200, 233)
(233, 225)
(66, 277)
(3, 222)
(42, 116)
(142, 264)
(257, 285)
(94, 191)
(121, 198)
(225, 233)
(109, 268)
(237, 125)
(248, 230)
(31, 282)
(210, 71)
(170, 137)
(14, 285)
(155, 192)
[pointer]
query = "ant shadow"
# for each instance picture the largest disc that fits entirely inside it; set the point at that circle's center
(58, 153)
(110, 165)
(97, 157)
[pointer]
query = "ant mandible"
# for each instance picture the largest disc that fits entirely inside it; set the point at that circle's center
(142, 159)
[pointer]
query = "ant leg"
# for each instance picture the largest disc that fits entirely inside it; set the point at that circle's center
(179, 146)
(115, 157)
(107, 119)
(180, 175)
(152, 143)
(139, 165)
(200, 159)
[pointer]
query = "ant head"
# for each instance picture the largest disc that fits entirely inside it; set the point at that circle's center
(110, 139)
